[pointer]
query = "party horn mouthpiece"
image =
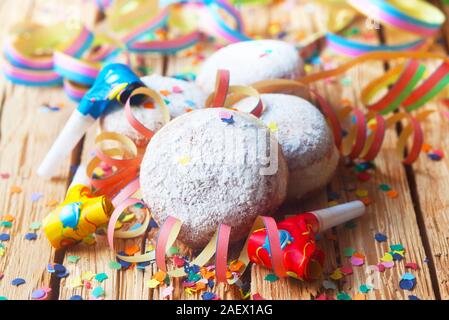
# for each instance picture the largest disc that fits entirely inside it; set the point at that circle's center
(114, 84)
(334, 216)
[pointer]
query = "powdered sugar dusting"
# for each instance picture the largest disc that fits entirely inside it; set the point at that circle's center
(251, 61)
(216, 181)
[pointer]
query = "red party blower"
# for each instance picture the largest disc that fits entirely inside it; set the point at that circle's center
(302, 258)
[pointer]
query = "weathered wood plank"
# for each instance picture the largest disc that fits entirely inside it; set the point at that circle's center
(26, 135)
(430, 178)
(394, 217)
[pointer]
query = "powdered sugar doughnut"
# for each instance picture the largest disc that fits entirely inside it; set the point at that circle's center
(206, 168)
(250, 62)
(179, 95)
(306, 140)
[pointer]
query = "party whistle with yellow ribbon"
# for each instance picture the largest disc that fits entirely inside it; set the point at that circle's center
(77, 217)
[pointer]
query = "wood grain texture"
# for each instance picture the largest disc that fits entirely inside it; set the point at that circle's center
(418, 218)
(431, 178)
(25, 138)
(394, 217)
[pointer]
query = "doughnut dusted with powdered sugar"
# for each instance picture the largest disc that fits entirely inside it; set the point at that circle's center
(179, 95)
(213, 166)
(306, 140)
(252, 61)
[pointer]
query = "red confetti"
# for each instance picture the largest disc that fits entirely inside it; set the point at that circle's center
(412, 266)
(363, 176)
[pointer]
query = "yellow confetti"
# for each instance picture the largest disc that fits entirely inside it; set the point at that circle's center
(118, 225)
(98, 172)
(76, 282)
(2, 252)
(184, 160)
(153, 283)
(387, 258)
(87, 275)
(332, 203)
(128, 217)
(273, 126)
(361, 193)
(337, 274)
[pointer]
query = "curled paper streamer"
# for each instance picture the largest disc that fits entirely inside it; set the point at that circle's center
(412, 16)
(71, 55)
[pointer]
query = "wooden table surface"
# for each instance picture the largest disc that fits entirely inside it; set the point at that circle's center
(418, 218)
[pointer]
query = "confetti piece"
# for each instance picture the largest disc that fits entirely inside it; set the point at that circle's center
(177, 89)
(226, 117)
(337, 274)
(361, 193)
(343, 296)
(184, 160)
(257, 296)
(153, 283)
(87, 275)
(387, 257)
(397, 247)
(365, 288)
(380, 237)
(384, 187)
(8, 218)
(411, 265)
(4, 175)
(208, 296)
(179, 262)
(35, 226)
(100, 277)
(329, 285)
(167, 292)
(165, 92)
(363, 176)
(348, 252)
(160, 276)
(4, 237)
(271, 277)
(115, 265)
(392, 194)
(15, 189)
(18, 282)
(76, 282)
(273, 126)
(31, 236)
(347, 270)
(359, 296)
(380, 267)
(39, 294)
(412, 297)
(36, 196)
(73, 259)
(52, 203)
(406, 284)
(356, 261)
(131, 250)
(76, 297)
(98, 292)
(174, 250)
(388, 264)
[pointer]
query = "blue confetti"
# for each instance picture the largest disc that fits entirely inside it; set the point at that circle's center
(208, 296)
(412, 297)
(17, 282)
(76, 297)
(380, 237)
(4, 237)
(31, 236)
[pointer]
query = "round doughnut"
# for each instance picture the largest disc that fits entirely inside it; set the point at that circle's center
(305, 138)
(210, 166)
(180, 96)
(251, 61)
